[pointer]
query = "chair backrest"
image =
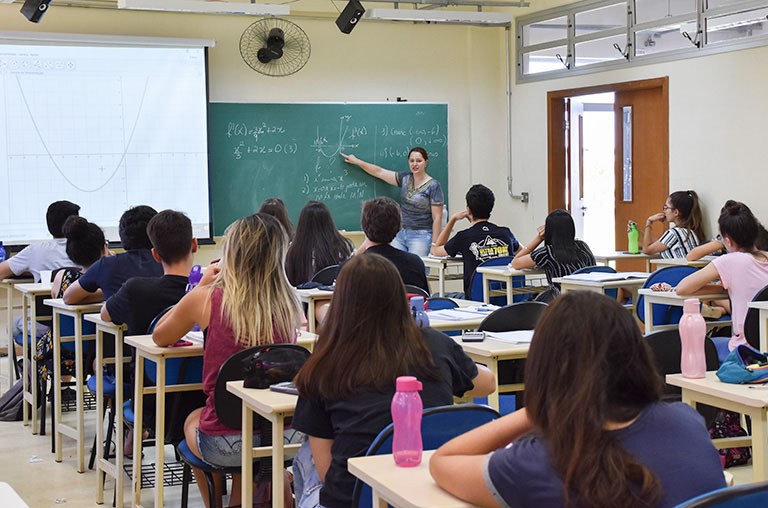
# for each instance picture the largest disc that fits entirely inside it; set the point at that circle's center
(664, 314)
(476, 288)
(177, 370)
(612, 293)
(518, 316)
(750, 495)
(229, 407)
(153, 323)
(752, 321)
(440, 303)
(438, 426)
(415, 290)
(326, 276)
(667, 352)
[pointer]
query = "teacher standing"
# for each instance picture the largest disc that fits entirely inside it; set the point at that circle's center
(421, 200)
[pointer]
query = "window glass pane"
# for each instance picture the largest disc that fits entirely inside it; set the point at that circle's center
(545, 31)
(604, 18)
(651, 10)
(664, 38)
(741, 25)
(544, 60)
(600, 50)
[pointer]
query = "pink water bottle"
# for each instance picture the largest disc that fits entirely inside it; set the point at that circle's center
(692, 332)
(406, 415)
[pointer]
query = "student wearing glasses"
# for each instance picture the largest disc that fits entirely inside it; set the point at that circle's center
(681, 209)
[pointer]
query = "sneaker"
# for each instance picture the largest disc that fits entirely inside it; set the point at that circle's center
(711, 312)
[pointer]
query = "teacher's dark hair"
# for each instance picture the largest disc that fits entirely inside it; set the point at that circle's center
(420, 150)
(316, 244)
(588, 366)
(368, 338)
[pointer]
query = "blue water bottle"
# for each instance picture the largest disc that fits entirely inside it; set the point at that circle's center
(195, 275)
(417, 310)
(2, 252)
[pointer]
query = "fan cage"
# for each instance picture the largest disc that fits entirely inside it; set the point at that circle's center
(296, 51)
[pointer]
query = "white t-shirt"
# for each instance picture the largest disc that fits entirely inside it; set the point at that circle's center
(743, 276)
(46, 255)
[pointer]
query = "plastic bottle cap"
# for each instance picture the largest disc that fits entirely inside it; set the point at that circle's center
(408, 384)
(691, 306)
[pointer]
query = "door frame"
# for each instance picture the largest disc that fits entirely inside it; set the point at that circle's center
(557, 177)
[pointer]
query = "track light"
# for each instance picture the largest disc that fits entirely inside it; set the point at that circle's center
(33, 10)
(349, 17)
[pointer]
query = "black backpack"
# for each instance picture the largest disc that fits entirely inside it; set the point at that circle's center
(11, 403)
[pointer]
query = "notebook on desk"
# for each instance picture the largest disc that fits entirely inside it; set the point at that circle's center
(605, 277)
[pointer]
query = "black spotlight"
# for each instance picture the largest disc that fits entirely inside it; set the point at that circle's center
(33, 10)
(349, 17)
(274, 47)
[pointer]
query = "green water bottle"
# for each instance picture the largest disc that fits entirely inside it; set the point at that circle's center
(633, 234)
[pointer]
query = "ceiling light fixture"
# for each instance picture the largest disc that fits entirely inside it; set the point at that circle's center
(205, 7)
(430, 16)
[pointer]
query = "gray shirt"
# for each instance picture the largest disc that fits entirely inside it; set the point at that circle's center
(416, 203)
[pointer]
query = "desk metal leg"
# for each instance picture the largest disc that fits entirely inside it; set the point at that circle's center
(138, 421)
(763, 318)
(377, 501)
(33, 365)
(648, 315)
(311, 316)
(24, 363)
(100, 472)
(278, 459)
(79, 394)
(441, 280)
(759, 445)
(57, 384)
(246, 455)
(9, 328)
(118, 407)
(159, 432)
(486, 289)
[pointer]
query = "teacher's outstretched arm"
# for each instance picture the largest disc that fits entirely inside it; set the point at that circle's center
(372, 169)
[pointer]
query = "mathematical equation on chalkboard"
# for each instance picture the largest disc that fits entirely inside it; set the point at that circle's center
(329, 178)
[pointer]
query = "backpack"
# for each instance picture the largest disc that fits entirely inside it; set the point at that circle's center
(728, 424)
(12, 403)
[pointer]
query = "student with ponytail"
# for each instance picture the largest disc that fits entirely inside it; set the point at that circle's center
(593, 432)
(682, 209)
(742, 272)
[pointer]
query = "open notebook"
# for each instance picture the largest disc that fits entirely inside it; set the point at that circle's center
(604, 277)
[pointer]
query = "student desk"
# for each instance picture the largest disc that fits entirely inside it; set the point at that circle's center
(661, 262)
(77, 432)
(402, 487)
(607, 258)
(8, 285)
(571, 283)
(505, 274)
(29, 294)
(489, 353)
(147, 350)
(441, 265)
(311, 297)
(672, 298)
(275, 407)
(746, 399)
(103, 465)
(763, 319)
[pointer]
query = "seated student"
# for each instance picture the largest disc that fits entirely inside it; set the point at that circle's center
(380, 222)
(594, 432)
(317, 244)
(47, 255)
(243, 301)
(681, 209)
(140, 299)
(368, 339)
(85, 246)
(276, 208)
(561, 254)
(482, 241)
(106, 276)
(742, 272)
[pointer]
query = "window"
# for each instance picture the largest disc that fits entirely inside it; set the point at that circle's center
(594, 35)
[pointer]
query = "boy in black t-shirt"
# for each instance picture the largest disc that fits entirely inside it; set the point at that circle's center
(482, 241)
(140, 299)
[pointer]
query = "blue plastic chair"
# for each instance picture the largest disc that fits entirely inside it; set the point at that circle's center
(613, 293)
(442, 303)
(751, 495)
(476, 288)
(438, 426)
(664, 314)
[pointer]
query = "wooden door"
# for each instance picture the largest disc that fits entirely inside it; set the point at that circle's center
(641, 160)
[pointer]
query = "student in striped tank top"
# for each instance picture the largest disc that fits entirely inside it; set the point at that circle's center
(560, 255)
(681, 209)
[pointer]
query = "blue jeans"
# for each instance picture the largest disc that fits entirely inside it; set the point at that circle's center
(416, 241)
(223, 450)
(306, 480)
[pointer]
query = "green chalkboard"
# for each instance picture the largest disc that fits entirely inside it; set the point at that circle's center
(291, 151)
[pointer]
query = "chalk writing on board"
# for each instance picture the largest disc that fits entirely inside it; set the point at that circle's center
(242, 130)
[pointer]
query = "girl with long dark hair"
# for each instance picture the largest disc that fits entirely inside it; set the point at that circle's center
(561, 255)
(276, 208)
(742, 272)
(317, 244)
(368, 339)
(681, 209)
(593, 432)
